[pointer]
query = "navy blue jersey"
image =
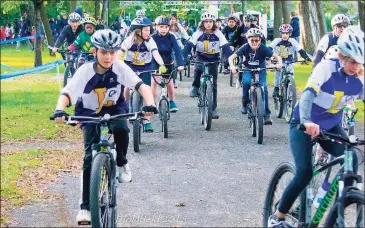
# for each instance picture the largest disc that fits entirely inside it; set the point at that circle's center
(168, 47)
(254, 59)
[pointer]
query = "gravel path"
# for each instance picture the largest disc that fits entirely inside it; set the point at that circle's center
(219, 175)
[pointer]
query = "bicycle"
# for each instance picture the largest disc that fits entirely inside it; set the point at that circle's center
(187, 68)
(301, 211)
(163, 103)
(284, 103)
(103, 180)
(205, 98)
(256, 104)
(136, 103)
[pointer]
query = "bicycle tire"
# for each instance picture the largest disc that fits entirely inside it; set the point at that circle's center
(270, 206)
(201, 104)
(163, 113)
(209, 105)
(251, 110)
(291, 99)
(220, 68)
(351, 197)
(260, 115)
(279, 104)
(188, 70)
(136, 135)
(136, 101)
(100, 161)
(67, 75)
(180, 76)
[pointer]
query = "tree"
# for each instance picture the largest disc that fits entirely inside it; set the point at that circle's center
(46, 26)
(307, 29)
(244, 7)
(73, 5)
(286, 11)
(104, 12)
(97, 9)
(278, 16)
(37, 44)
(321, 18)
(361, 6)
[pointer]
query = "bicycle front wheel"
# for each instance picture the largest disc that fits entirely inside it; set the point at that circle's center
(290, 99)
(67, 75)
(231, 80)
(136, 135)
(208, 106)
(259, 115)
(354, 211)
(280, 179)
(137, 104)
(100, 191)
(163, 113)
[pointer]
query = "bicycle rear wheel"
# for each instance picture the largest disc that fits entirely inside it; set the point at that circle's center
(188, 69)
(208, 105)
(231, 80)
(164, 117)
(290, 99)
(278, 183)
(354, 211)
(201, 104)
(279, 103)
(67, 75)
(100, 191)
(259, 115)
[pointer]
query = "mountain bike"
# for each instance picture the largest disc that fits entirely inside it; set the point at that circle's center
(205, 98)
(256, 104)
(349, 200)
(163, 103)
(136, 103)
(103, 181)
(285, 102)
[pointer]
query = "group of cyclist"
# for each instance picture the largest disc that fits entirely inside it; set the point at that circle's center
(103, 86)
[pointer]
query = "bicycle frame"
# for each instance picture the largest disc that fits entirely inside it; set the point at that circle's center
(336, 186)
(164, 90)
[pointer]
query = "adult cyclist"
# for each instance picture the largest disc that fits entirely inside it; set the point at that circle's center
(97, 89)
(339, 22)
(168, 48)
(333, 83)
(208, 41)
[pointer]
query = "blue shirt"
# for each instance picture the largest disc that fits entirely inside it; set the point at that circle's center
(167, 45)
(254, 59)
(333, 89)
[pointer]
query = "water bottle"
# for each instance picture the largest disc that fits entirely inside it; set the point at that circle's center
(321, 194)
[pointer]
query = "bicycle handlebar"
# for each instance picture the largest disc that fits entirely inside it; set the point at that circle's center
(147, 71)
(255, 69)
(169, 78)
(352, 140)
(73, 119)
(70, 52)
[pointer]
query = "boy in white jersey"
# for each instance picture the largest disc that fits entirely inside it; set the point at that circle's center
(286, 47)
(97, 89)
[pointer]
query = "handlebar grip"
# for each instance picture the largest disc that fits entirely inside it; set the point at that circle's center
(301, 127)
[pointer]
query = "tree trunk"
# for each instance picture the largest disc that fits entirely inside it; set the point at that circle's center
(361, 6)
(278, 15)
(73, 6)
(46, 25)
(104, 13)
(97, 8)
(286, 11)
(321, 18)
(306, 29)
(37, 43)
(244, 7)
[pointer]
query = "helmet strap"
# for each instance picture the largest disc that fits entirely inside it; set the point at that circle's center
(98, 63)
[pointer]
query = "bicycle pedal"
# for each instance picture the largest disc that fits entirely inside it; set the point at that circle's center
(84, 223)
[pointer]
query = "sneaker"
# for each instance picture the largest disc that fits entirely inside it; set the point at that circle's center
(124, 174)
(244, 110)
(276, 92)
(215, 114)
(173, 107)
(267, 120)
(226, 71)
(194, 92)
(83, 217)
(148, 127)
(276, 222)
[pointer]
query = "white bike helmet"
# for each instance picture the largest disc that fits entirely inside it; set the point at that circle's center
(351, 44)
(74, 17)
(340, 18)
(89, 20)
(332, 52)
(140, 13)
(106, 39)
(207, 16)
(252, 32)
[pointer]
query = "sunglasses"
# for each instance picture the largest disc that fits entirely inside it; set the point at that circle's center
(342, 25)
(255, 41)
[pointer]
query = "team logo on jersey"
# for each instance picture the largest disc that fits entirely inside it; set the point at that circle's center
(103, 100)
(206, 47)
(252, 60)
